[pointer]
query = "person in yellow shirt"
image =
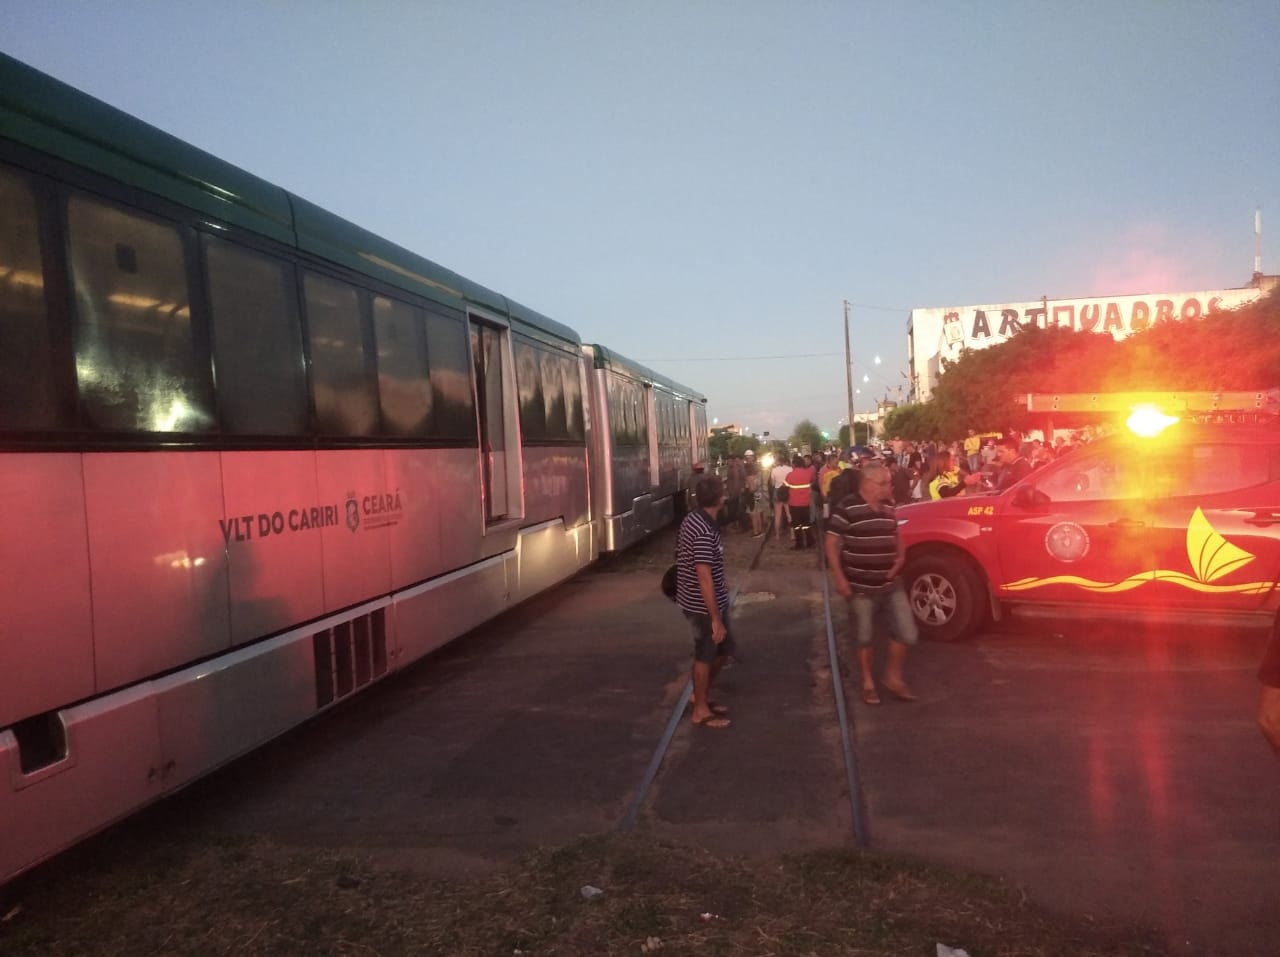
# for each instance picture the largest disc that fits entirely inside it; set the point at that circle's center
(973, 451)
(946, 480)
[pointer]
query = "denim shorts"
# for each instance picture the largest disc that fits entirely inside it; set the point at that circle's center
(888, 608)
(704, 649)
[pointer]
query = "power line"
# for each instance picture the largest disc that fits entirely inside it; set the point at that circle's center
(795, 355)
(864, 305)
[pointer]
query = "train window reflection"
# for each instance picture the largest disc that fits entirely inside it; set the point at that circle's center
(26, 363)
(257, 341)
(454, 404)
(136, 356)
(346, 402)
(573, 400)
(404, 386)
(553, 396)
(533, 418)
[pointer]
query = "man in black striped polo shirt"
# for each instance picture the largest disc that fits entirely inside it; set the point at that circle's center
(703, 596)
(866, 556)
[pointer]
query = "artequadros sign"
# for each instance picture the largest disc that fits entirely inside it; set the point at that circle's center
(938, 336)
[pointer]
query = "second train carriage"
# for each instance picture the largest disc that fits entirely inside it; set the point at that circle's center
(256, 457)
(650, 434)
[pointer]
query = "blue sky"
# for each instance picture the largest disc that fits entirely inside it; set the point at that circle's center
(697, 183)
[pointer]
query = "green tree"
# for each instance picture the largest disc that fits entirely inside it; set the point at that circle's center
(1228, 351)
(722, 443)
(718, 444)
(806, 433)
(915, 422)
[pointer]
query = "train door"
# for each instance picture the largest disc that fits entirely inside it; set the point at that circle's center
(495, 410)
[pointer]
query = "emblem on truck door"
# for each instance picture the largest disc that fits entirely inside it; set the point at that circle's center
(1067, 542)
(1211, 557)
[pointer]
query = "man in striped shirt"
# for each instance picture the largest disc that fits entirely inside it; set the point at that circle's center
(703, 596)
(866, 556)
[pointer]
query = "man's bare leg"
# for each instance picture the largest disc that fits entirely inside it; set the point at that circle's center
(701, 689)
(893, 679)
(868, 680)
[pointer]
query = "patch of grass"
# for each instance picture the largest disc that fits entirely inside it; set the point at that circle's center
(253, 898)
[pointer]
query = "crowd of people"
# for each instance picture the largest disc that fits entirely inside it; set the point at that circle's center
(853, 493)
(799, 490)
(856, 491)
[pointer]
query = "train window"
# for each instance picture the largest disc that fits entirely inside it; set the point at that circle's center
(641, 413)
(621, 430)
(346, 402)
(257, 341)
(573, 400)
(404, 385)
(26, 355)
(634, 415)
(628, 423)
(454, 413)
(135, 349)
(529, 386)
(553, 396)
(614, 386)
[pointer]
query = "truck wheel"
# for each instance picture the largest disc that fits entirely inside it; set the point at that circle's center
(946, 597)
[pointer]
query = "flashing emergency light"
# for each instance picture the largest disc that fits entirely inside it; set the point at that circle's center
(1149, 420)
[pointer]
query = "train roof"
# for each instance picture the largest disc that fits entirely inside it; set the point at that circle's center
(47, 115)
(606, 359)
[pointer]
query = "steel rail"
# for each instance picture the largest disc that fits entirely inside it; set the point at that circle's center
(655, 763)
(857, 800)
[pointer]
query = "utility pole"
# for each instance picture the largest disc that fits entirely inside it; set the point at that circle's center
(848, 371)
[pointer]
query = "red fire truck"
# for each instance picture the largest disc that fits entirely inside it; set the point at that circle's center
(1174, 516)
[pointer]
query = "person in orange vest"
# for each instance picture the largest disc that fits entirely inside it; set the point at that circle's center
(799, 492)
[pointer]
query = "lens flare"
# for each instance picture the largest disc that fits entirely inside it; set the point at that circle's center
(1148, 420)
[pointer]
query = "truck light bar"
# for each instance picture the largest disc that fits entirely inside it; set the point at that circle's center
(1267, 401)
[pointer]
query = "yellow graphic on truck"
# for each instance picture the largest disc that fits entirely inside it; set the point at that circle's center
(1210, 554)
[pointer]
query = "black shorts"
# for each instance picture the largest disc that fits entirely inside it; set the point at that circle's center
(1269, 670)
(704, 649)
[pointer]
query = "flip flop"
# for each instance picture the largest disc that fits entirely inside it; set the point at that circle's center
(717, 708)
(870, 696)
(713, 722)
